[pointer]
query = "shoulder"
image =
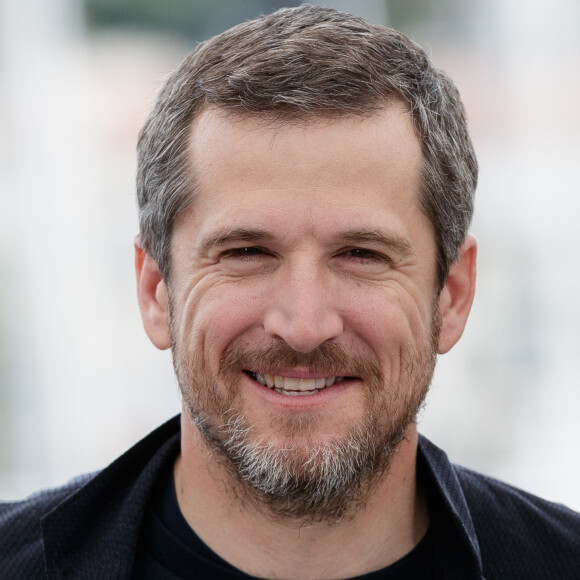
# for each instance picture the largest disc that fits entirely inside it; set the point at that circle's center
(21, 544)
(90, 525)
(518, 530)
(509, 533)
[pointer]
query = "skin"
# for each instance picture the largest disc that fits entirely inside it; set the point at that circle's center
(335, 249)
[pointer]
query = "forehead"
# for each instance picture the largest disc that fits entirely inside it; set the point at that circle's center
(213, 124)
(347, 168)
(383, 141)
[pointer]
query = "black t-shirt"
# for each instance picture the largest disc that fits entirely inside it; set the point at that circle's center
(169, 549)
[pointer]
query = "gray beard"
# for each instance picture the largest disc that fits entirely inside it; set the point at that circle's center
(307, 483)
(322, 483)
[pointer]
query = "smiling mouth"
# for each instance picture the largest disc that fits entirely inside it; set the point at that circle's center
(293, 387)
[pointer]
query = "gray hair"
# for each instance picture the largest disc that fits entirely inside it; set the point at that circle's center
(294, 64)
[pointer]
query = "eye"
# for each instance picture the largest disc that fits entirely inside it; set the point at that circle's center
(364, 255)
(244, 253)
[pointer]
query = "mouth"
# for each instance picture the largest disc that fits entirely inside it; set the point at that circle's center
(293, 387)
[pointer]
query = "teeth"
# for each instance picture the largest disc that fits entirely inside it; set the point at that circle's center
(289, 393)
(320, 383)
(295, 393)
(292, 386)
(307, 384)
(287, 383)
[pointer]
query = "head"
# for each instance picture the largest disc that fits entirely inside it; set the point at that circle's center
(302, 63)
(305, 184)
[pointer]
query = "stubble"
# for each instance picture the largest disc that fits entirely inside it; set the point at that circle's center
(297, 477)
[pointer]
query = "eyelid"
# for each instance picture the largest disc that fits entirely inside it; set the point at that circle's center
(238, 252)
(373, 254)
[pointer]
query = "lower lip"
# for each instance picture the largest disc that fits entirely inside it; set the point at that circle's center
(323, 396)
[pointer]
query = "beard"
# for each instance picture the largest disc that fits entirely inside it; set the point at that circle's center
(296, 476)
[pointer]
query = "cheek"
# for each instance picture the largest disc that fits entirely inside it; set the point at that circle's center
(392, 322)
(215, 314)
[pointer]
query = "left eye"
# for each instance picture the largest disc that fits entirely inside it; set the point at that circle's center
(365, 255)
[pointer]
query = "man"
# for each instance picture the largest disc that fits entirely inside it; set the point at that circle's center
(305, 184)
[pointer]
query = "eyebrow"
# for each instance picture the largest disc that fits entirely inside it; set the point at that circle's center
(394, 243)
(226, 236)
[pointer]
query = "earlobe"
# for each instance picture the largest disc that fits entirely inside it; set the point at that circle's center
(456, 298)
(152, 296)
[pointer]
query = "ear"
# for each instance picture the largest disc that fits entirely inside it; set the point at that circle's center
(152, 295)
(456, 298)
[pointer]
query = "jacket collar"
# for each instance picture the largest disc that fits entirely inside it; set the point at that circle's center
(94, 533)
(459, 542)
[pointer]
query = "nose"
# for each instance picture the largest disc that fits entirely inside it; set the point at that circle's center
(302, 309)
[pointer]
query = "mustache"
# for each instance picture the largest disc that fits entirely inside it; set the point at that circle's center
(329, 358)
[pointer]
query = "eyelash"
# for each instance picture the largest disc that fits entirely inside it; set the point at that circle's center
(365, 255)
(245, 252)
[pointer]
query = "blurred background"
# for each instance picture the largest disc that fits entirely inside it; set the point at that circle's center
(79, 381)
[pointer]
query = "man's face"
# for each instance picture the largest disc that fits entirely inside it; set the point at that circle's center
(303, 306)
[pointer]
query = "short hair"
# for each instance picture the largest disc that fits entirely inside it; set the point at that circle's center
(299, 63)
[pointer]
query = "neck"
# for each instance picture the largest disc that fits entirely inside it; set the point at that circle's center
(382, 530)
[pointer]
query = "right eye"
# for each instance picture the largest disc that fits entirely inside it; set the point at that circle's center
(247, 252)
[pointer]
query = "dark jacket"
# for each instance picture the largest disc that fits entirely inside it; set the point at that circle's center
(89, 528)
